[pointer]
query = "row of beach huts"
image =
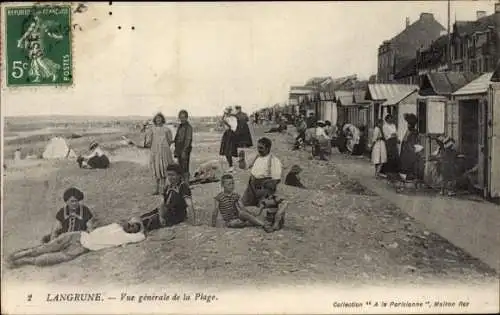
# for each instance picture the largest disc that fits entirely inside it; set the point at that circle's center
(464, 106)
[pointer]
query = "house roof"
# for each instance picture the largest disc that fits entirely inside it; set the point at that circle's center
(396, 98)
(389, 92)
(359, 96)
(477, 86)
(300, 90)
(318, 81)
(343, 83)
(417, 35)
(480, 25)
(445, 83)
(345, 98)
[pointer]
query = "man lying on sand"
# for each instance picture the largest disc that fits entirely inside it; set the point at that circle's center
(207, 172)
(70, 245)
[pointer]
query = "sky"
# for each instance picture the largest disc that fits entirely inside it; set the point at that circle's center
(204, 56)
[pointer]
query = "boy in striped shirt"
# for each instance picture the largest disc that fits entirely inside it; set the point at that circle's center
(229, 205)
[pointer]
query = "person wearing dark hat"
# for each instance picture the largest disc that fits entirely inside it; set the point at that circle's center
(408, 155)
(95, 159)
(73, 217)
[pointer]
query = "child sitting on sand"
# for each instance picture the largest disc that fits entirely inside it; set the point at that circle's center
(73, 217)
(274, 207)
(177, 199)
(229, 205)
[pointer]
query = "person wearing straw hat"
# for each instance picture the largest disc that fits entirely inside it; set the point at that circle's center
(97, 158)
(448, 161)
(228, 146)
(70, 245)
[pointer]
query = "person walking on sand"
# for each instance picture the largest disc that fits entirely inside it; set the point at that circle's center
(158, 139)
(228, 147)
(183, 143)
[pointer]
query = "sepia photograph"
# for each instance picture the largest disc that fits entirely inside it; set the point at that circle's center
(250, 157)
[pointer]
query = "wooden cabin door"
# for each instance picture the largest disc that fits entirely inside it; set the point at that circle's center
(482, 147)
(493, 154)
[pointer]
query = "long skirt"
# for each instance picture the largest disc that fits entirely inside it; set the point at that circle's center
(392, 164)
(161, 157)
(228, 144)
(243, 136)
(379, 152)
(342, 144)
(409, 161)
(98, 162)
(432, 174)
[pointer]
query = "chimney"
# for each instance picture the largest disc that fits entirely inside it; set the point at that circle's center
(480, 14)
(407, 22)
(426, 16)
(497, 7)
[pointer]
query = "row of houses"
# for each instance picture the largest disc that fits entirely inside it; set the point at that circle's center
(451, 82)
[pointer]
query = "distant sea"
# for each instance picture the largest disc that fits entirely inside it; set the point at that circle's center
(68, 118)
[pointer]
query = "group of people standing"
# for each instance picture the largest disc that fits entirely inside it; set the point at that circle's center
(393, 157)
(159, 138)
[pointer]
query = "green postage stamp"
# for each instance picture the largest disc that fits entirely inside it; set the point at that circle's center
(38, 45)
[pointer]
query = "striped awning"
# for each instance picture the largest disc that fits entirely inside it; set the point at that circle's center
(390, 92)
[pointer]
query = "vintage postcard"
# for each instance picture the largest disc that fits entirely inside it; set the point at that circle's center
(250, 157)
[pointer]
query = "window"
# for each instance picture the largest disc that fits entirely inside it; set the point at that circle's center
(422, 117)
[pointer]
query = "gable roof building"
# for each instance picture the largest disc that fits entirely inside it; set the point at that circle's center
(397, 52)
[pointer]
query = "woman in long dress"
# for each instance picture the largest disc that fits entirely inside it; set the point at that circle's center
(243, 135)
(159, 138)
(228, 146)
(379, 151)
(409, 161)
(391, 143)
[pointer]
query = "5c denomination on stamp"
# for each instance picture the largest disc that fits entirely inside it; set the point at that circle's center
(38, 45)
